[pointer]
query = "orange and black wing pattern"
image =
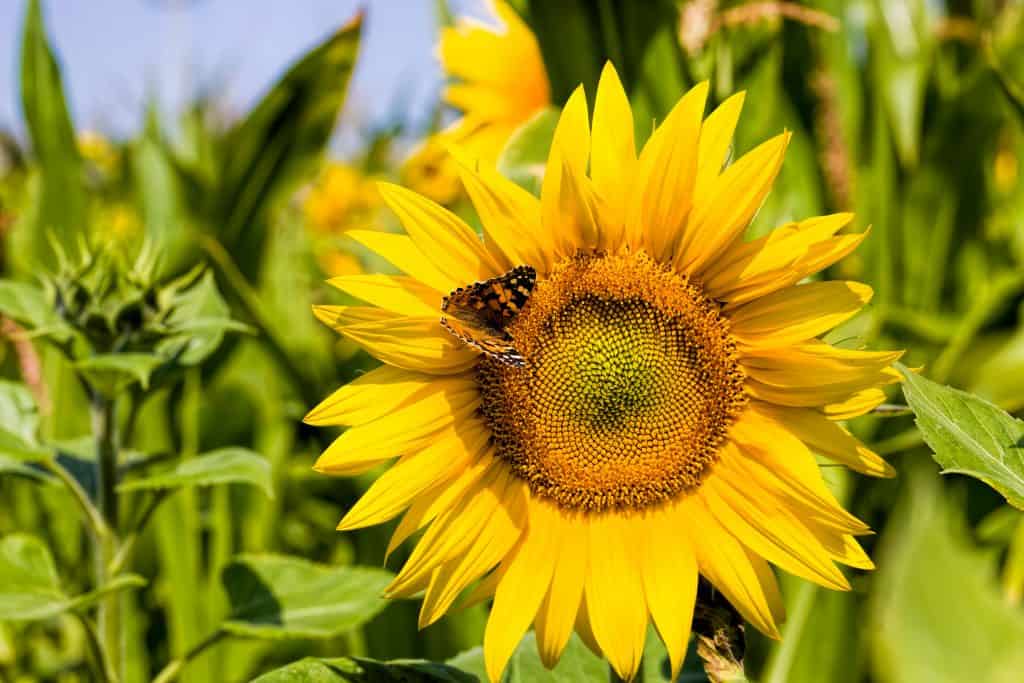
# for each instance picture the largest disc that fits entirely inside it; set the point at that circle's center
(479, 314)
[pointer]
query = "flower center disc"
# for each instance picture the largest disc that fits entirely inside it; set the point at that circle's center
(628, 390)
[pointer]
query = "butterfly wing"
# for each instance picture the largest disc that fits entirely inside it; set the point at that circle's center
(479, 314)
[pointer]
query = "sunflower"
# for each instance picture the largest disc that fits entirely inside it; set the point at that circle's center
(500, 83)
(624, 393)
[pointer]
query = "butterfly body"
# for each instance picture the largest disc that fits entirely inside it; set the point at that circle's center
(479, 314)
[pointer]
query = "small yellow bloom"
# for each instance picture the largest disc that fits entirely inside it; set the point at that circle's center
(339, 199)
(499, 84)
(611, 393)
(99, 151)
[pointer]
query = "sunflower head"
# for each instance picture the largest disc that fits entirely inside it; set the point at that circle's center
(625, 394)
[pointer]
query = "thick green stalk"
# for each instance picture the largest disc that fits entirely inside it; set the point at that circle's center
(104, 430)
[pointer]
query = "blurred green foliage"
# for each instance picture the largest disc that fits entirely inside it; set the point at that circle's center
(157, 333)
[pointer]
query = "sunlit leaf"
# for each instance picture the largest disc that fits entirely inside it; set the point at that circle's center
(277, 143)
(113, 372)
(30, 588)
(360, 670)
(223, 466)
(62, 200)
(19, 423)
(969, 435)
(936, 613)
(27, 304)
(198, 320)
(276, 596)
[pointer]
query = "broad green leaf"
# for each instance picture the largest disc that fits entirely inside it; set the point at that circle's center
(277, 144)
(62, 207)
(30, 588)
(223, 466)
(969, 435)
(19, 424)
(576, 664)
(360, 670)
(276, 596)
(526, 152)
(936, 613)
(28, 304)
(110, 373)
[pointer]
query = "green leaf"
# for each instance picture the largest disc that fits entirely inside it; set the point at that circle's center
(28, 304)
(19, 424)
(936, 614)
(277, 144)
(30, 588)
(63, 199)
(222, 466)
(526, 152)
(16, 467)
(276, 596)
(111, 373)
(360, 670)
(969, 435)
(198, 321)
(576, 664)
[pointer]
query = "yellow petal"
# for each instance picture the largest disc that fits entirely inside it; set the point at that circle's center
(375, 394)
(764, 528)
(732, 199)
(494, 539)
(746, 580)
(520, 591)
(569, 145)
(395, 293)
(612, 151)
(454, 531)
(510, 216)
(449, 453)
(444, 496)
(663, 193)
(715, 140)
(782, 258)
(798, 313)
(614, 593)
(827, 438)
(669, 570)
(557, 614)
(780, 462)
(418, 344)
(400, 251)
(401, 431)
(443, 238)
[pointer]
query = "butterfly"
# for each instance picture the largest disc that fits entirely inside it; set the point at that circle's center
(480, 313)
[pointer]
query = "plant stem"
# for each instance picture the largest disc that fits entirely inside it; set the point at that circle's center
(101, 663)
(104, 430)
(173, 669)
(128, 543)
(93, 518)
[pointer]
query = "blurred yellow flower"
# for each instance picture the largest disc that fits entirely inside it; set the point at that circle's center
(499, 84)
(118, 222)
(611, 393)
(339, 199)
(98, 151)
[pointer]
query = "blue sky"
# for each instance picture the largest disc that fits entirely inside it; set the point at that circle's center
(115, 54)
